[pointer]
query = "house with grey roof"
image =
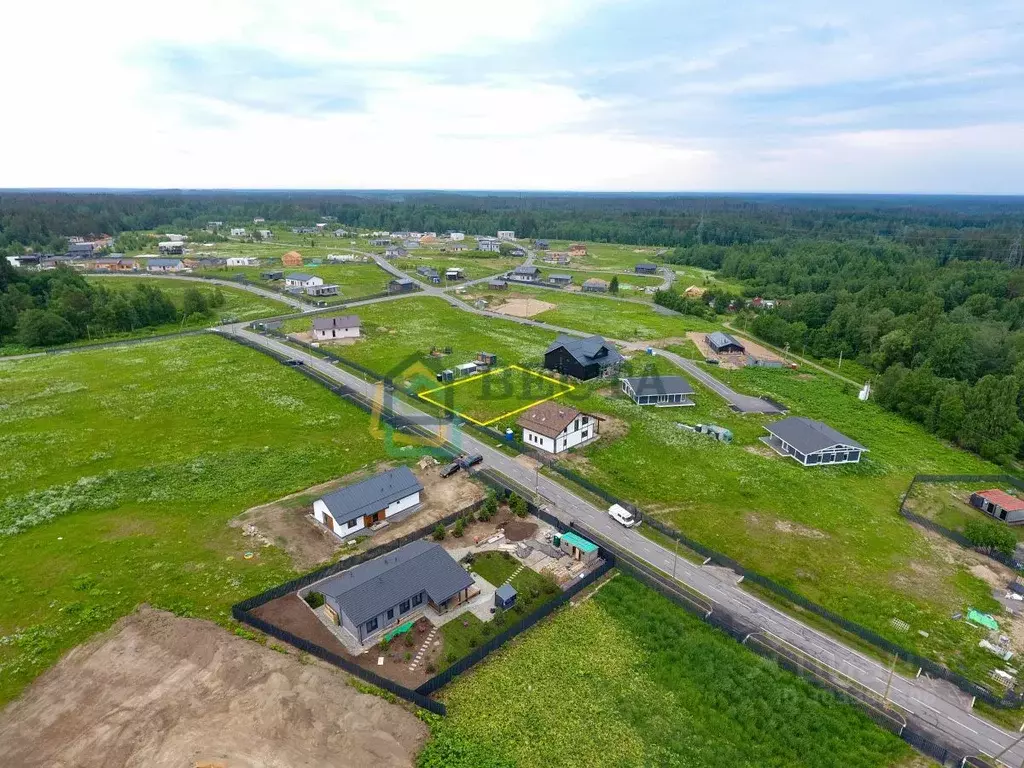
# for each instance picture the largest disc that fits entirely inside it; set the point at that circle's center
(811, 442)
(327, 289)
(301, 280)
(582, 358)
(661, 391)
(723, 343)
(595, 285)
(362, 505)
(525, 274)
(401, 285)
(560, 279)
(165, 265)
(646, 268)
(490, 244)
(341, 327)
(395, 588)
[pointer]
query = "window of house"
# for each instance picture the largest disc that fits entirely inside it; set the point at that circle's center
(371, 625)
(352, 523)
(586, 433)
(403, 607)
(417, 599)
(391, 613)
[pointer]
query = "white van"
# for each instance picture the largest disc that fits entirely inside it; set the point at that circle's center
(623, 516)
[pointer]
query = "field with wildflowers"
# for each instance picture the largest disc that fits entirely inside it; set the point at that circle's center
(119, 470)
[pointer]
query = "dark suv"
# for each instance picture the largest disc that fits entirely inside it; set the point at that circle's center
(468, 460)
(451, 469)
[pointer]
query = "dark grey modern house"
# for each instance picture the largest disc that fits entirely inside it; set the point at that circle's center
(646, 268)
(811, 442)
(362, 505)
(394, 588)
(658, 390)
(723, 343)
(582, 358)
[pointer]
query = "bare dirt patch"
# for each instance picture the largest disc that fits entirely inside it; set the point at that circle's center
(523, 307)
(611, 427)
(795, 529)
(759, 351)
(520, 530)
(166, 692)
(760, 449)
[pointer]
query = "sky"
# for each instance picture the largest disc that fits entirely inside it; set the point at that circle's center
(902, 96)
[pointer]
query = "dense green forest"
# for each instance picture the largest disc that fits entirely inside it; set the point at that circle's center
(969, 227)
(58, 306)
(945, 333)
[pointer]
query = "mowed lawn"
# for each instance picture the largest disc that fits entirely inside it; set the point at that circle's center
(487, 397)
(607, 256)
(120, 469)
(833, 534)
(473, 268)
(240, 305)
(353, 279)
(629, 679)
(398, 337)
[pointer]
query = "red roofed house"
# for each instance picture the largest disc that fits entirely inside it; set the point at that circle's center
(999, 504)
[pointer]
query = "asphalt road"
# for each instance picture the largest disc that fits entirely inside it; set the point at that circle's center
(284, 299)
(742, 403)
(935, 703)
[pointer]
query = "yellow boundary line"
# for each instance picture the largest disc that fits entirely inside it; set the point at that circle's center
(425, 394)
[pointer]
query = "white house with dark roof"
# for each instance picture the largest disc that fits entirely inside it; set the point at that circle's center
(811, 443)
(661, 391)
(395, 588)
(165, 265)
(491, 244)
(506, 235)
(301, 280)
(524, 274)
(555, 427)
(362, 505)
(243, 261)
(330, 328)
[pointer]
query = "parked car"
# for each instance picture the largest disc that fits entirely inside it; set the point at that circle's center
(294, 362)
(623, 516)
(451, 469)
(468, 460)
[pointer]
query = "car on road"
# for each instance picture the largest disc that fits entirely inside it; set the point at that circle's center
(294, 362)
(468, 460)
(623, 516)
(451, 469)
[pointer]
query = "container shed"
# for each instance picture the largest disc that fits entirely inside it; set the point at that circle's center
(505, 596)
(486, 358)
(577, 547)
(466, 369)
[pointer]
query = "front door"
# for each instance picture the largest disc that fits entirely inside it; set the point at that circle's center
(376, 517)
(329, 522)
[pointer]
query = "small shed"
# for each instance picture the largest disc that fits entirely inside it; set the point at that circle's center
(497, 285)
(577, 547)
(466, 369)
(505, 596)
(486, 358)
(999, 504)
(446, 375)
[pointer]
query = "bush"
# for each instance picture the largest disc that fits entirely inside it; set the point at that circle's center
(994, 538)
(460, 527)
(409, 641)
(450, 657)
(474, 641)
(517, 504)
(408, 655)
(439, 533)
(384, 644)
(431, 668)
(314, 599)
(490, 507)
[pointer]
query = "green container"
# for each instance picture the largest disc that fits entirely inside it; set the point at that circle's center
(556, 540)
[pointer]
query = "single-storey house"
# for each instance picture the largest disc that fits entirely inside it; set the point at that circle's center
(52, 262)
(525, 274)
(999, 504)
(340, 233)
(164, 265)
(301, 280)
(265, 234)
(554, 427)
(81, 249)
(811, 442)
(243, 261)
(342, 327)
(272, 275)
(595, 285)
(395, 251)
(506, 235)
(658, 390)
(454, 273)
(577, 249)
(577, 547)
(560, 279)
(582, 359)
(327, 289)
(456, 235)
(723, 343)
(174, 238)
(557, 257)
(517, 251)
(303, 230)
(540, 244)
(395, 588)
(411, 244)
(115, 265)
(401, 285)
(380, 242)
(26, 260)
(646, 268)
(292, 259)
(358, 506)
(491, 244)
(238, 231)
(454, 248)
(497, 285)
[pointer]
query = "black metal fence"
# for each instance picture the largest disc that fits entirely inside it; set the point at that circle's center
(959, 538)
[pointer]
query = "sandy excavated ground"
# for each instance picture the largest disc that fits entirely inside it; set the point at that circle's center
(166, 692)
(523, 307)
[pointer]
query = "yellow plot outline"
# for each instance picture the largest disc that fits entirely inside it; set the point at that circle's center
(467, 417)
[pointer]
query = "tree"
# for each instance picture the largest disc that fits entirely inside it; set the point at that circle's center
(439, 532)
(991, 537)
(460, 527)
(613, 286)
(518, 505)
(194, 303)
(42, 328)
(490, 506)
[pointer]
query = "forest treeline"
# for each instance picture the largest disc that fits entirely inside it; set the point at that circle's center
(968, 228)
(42, 309)
(944, 333)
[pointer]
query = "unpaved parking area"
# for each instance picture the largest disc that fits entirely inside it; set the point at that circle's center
(166, 692)
(523, 306)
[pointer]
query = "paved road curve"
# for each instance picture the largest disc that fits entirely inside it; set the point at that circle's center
(931, 701)
(289, 300)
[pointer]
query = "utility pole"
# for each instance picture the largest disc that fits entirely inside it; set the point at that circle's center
(840, 366)
(675, 557)
(888, 682)
(995, 758)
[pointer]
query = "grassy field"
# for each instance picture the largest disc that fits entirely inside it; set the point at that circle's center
(833, 534)
(474, 268)
(488, 397)
(628, 679)
(631, 286)
(120, 470)
(353, 280)
(398, 337)
(948, 504)
(241, 305)
(623, 320)
(607, 256)
(702, 278)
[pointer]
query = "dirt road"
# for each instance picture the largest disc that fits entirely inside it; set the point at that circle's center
(167, 692)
